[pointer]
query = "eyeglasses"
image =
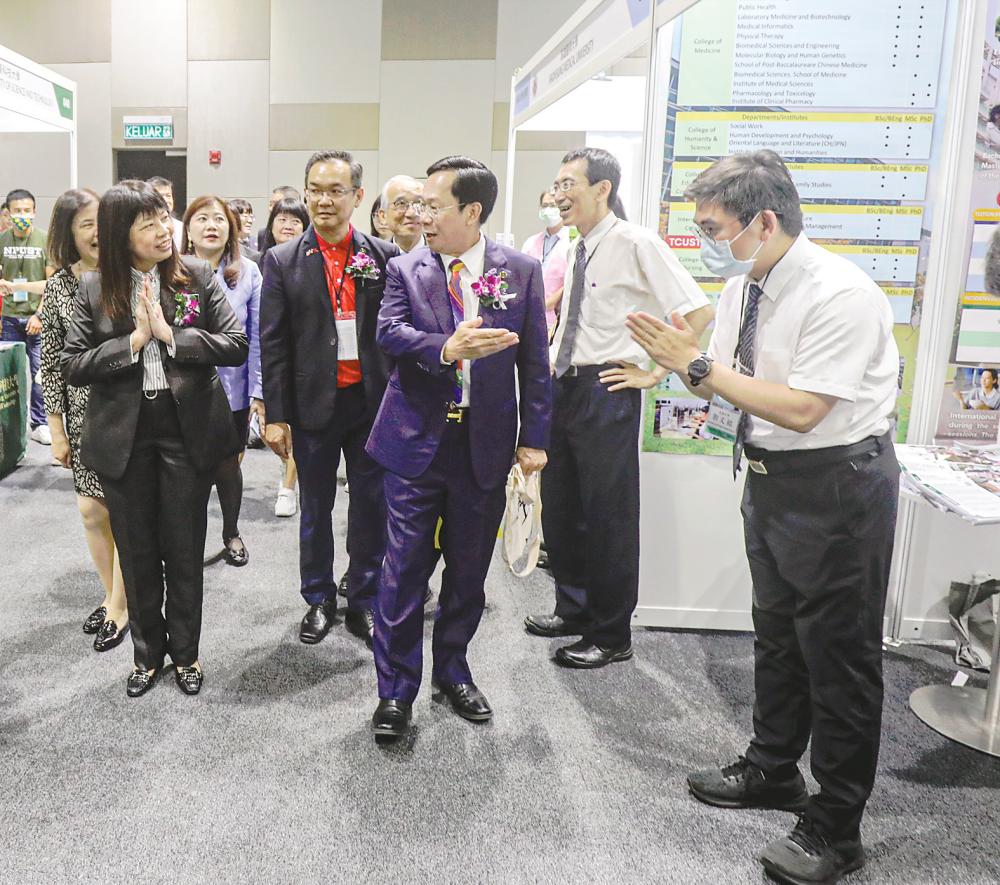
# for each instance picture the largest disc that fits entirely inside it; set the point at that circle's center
(697, 231)
(334, 193)
(432, 212)
(405, 206)
(564, 184)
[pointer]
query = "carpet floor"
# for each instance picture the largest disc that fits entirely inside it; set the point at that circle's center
(271, 774)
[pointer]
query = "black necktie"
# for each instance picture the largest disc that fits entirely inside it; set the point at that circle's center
(565, 355)
(745, 362)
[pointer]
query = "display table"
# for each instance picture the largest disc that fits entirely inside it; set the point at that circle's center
(13, 405)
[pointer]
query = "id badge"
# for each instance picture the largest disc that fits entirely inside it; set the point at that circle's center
(723, 419)
(347, 338)
(20, 295)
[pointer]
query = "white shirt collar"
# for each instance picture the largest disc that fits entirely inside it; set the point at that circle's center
(473, 258)
(787, 267)
(417, 245)
(599, 231)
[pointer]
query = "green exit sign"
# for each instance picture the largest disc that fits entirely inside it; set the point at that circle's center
(149, 129)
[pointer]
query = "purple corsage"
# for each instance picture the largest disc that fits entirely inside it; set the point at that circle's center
(363, 267)
(188, 307)
(491, 289)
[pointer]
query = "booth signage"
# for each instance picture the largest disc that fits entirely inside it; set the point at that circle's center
(148, 128)
(27, 93)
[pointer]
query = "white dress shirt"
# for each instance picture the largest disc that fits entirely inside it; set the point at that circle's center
(473, 259)
(416, 245)
(154, 377)
(629, 269)
(823, 326)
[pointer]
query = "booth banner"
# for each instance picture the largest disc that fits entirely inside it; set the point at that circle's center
(13, 406)
(27, 93)
(853, 96)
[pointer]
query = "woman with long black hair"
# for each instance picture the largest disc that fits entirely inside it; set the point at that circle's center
(147, 332)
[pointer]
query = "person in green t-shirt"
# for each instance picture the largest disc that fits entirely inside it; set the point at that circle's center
(24, 268)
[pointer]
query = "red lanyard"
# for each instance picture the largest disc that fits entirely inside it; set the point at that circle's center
(343, 274)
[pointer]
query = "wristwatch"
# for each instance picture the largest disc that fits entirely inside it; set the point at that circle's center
(698, 369)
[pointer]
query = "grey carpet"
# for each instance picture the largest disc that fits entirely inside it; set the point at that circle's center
(271, 774)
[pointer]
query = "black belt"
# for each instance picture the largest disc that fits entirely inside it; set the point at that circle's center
(587, 371)
(770, 463)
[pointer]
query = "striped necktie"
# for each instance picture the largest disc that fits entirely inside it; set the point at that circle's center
(565, 355)
(745, 358)
(457, 301)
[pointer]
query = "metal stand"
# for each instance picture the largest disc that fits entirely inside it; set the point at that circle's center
(970, 716)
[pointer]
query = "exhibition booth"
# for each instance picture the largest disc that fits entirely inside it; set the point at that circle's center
(888, 117)
(33, 99)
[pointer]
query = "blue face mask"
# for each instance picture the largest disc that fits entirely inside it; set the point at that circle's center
(717, 255)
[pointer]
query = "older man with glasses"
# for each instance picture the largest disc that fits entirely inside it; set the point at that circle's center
(324, 378)
(401, 211)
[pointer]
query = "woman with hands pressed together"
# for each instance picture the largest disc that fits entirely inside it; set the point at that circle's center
(147, 332)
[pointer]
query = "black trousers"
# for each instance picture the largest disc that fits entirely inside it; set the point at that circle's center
(819, 542)
(158, 511)
(590, 506)
(317, 456)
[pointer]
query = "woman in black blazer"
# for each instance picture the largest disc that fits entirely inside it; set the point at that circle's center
(146, 335)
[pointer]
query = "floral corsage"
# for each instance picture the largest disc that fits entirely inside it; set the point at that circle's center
(491, 289)
(188, 307)
(363, 267)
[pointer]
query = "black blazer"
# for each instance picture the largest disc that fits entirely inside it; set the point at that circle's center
(298, 332)
(98, 353)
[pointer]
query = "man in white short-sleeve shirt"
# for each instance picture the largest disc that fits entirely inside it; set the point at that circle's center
(590, 489)
(802, 372)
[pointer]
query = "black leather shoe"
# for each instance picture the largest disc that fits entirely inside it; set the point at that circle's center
(317, 622)
(189, 679)
(807, 857)
(109, 636)
(361, 624)
(584, 655)
(236, 554)
(391, 718)
(95, 619)
(342, 586)
(140, 681)
(552, 625)
(467, 700)
(744, 785)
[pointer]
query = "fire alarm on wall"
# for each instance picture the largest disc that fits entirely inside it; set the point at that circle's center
(215, 158)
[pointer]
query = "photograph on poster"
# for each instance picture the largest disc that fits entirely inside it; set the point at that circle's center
(680, 418)
(988, 124)
(969, 406)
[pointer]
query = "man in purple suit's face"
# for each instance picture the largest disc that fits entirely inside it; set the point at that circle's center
(449, 226)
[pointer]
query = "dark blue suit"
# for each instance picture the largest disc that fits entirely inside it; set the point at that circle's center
(298, 341)
(435, 468)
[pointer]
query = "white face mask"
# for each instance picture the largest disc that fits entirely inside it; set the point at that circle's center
(549, 215)
(717, 255)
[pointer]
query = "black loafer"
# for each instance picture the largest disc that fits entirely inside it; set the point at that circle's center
(806, 856)
(552, 625)
(361, 624)
(109, 636)
(391, 718)
(140, 681)
(584, 655)
(342, 586)
(317, 622)
(189, 679)
(239, 556)
(95, 619)
(467, 700)
(744, 785)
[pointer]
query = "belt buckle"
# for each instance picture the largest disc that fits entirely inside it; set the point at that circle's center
(757, 467)
(455, 413)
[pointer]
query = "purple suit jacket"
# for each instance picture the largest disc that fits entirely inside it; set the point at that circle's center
(413, 324)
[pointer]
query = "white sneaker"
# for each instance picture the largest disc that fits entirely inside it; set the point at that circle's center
(42, 434)
(285, 505)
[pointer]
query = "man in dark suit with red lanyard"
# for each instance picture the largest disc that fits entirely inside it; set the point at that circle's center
(458, 318)
(323, 379)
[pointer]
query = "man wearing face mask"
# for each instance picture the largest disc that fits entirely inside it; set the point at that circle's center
(551, 247)
(802, 368)
(24, 268)
(590, 493)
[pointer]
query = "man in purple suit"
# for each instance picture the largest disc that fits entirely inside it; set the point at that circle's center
(458, 318)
